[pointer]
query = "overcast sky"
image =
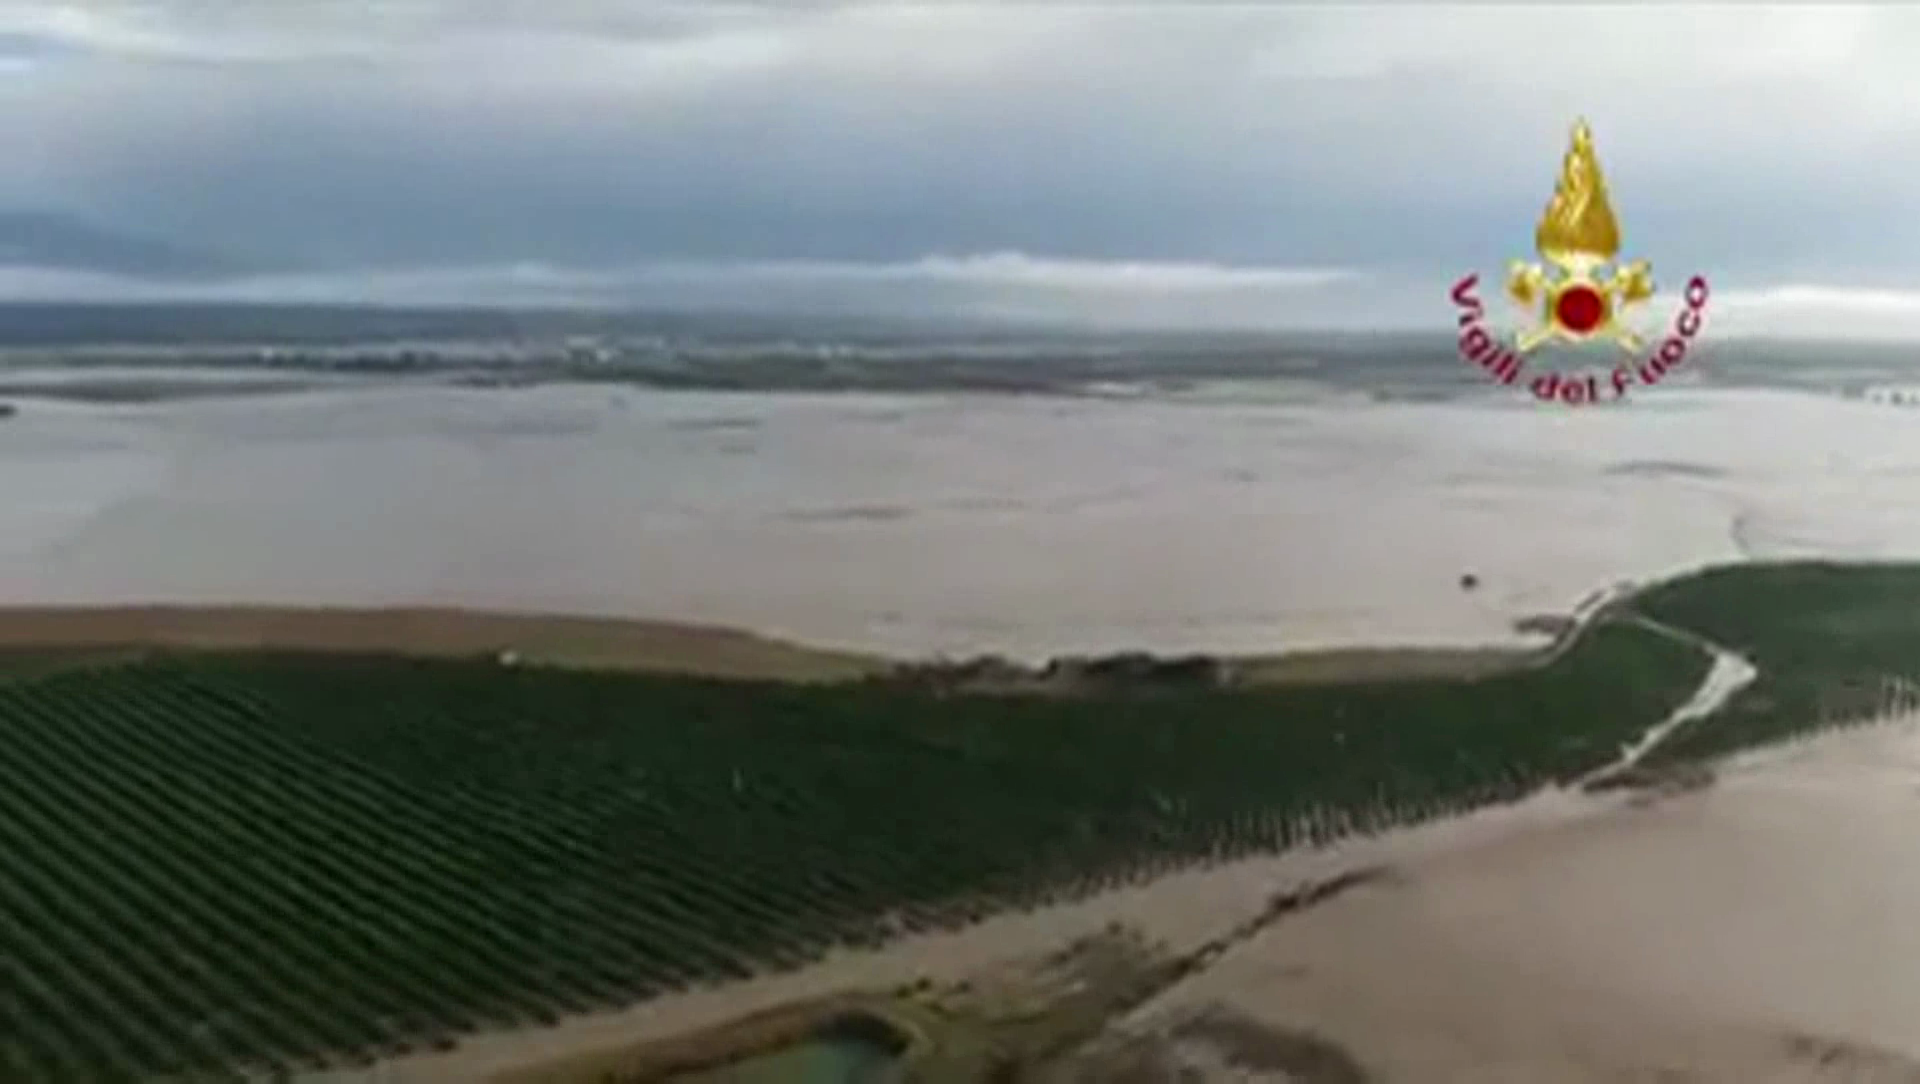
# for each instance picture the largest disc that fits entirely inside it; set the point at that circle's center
(1149, 161)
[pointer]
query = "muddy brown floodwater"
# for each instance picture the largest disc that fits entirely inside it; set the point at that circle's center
(1765, 929)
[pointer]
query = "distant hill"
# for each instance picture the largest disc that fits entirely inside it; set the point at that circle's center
(53, 241)
(67, 323)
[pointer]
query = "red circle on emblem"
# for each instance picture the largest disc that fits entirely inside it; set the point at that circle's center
(1580, 309)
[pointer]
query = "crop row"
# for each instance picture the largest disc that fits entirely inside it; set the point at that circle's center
(261, 863)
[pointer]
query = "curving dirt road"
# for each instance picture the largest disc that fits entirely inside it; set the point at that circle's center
(1729, 674)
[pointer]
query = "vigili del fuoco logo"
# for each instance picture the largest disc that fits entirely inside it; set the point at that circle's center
(1578, 298)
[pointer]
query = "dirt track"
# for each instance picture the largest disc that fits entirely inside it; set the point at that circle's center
(615, 643)
(567, 641)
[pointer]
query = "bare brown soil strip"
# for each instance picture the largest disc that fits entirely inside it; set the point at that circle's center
(42, 633)
(1418, 663)
(717, 1046)
(39, 638)
(1381, 664)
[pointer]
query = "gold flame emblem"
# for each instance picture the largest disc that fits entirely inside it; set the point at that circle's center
(1580, 297)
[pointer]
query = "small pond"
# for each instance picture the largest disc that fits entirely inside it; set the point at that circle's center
(850, 1051)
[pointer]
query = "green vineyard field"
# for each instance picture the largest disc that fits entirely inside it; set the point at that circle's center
(217, 864)
(1834, 645)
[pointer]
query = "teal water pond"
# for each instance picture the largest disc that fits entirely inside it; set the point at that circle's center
(835, 1060)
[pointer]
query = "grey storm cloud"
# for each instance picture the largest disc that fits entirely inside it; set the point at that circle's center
(1405, 142)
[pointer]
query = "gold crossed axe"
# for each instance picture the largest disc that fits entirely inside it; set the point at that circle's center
(1611, 292)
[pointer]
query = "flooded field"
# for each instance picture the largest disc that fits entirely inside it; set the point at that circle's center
(1761, 929)
(922, 524)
